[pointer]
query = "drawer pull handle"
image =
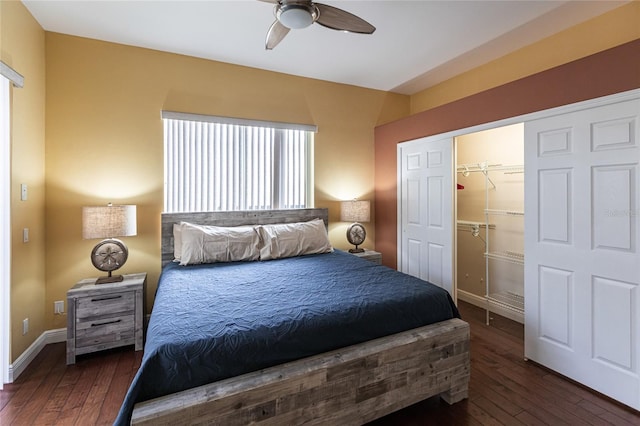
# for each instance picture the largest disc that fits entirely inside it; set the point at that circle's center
(105, 323)
(106, 298)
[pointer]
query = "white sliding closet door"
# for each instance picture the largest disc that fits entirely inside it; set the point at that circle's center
(582, 247)
(425, 237)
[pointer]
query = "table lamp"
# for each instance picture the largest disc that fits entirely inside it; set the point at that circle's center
(109, 222)
(355, 211)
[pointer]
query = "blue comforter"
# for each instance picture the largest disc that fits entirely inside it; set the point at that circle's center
(211, 322)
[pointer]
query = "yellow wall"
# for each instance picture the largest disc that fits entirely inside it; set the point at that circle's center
(22, 44)
(611, 29)
(104, 140)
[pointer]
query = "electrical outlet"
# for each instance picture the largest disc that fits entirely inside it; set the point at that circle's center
(58, 307)
(25, 326)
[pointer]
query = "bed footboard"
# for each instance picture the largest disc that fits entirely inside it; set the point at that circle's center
(349, 386)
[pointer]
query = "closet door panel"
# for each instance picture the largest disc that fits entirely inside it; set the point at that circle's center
(555, 315)
(581, 247)
(554, 206)
(412, 215)
(435, 213)
(425, 210)
(554, 142)
(613, 322)
(613, 203)
(414, 254)
(413, 202)
(436, 261)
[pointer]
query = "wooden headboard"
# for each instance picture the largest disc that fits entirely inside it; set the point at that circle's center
(235, 218)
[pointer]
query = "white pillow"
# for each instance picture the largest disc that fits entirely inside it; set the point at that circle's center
(211, 244)
(293, 239)
(177, 241)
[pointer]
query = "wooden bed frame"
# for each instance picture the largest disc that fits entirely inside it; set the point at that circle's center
(348, 386)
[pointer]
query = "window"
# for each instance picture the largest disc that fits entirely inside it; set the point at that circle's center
(218, 163)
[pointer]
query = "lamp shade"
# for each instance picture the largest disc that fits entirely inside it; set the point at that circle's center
(108, 221)
(355, 211)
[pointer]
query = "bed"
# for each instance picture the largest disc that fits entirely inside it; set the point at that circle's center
(314, 339)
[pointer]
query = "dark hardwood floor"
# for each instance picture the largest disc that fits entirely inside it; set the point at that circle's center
(504, 388)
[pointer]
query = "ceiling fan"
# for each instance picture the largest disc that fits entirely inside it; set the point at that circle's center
(297, 14)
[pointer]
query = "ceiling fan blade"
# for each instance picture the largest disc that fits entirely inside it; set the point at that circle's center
(338, 19)
(270, 1)
(276, 33)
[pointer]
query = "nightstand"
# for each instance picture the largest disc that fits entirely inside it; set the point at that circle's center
(370, 255)
(105, 316)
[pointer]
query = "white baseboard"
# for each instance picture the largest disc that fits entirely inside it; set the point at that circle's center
(474, 299)
(23, 361)
(49, 336)
(481, 302)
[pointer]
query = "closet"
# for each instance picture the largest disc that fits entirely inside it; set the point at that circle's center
(490, 220)
(567, 252)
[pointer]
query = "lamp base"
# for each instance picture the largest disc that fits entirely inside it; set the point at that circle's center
(356, 250)
(110, 279)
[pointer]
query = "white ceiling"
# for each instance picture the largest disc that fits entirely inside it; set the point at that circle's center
(416, 44)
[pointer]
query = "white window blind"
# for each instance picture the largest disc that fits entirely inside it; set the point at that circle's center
(218, 163)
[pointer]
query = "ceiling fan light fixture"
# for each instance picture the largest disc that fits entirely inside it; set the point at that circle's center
(295, 16)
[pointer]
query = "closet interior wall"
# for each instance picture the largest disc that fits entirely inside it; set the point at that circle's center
(480, 159)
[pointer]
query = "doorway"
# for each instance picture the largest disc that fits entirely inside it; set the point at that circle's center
(489, 220)
(5, 228)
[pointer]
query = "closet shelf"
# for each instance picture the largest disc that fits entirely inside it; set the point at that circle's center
(465, 169)
(497, 299)
(507, 256)
(503, 212)
(509, 169)
(469, 224)
(484, 167)
(508, 300)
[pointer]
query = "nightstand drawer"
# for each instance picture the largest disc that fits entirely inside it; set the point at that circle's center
(104, 331)
(106, 304)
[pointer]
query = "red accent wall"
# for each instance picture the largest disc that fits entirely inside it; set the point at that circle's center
(611, 71)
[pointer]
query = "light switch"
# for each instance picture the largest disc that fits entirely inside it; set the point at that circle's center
(25, 235)
(23, 192)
